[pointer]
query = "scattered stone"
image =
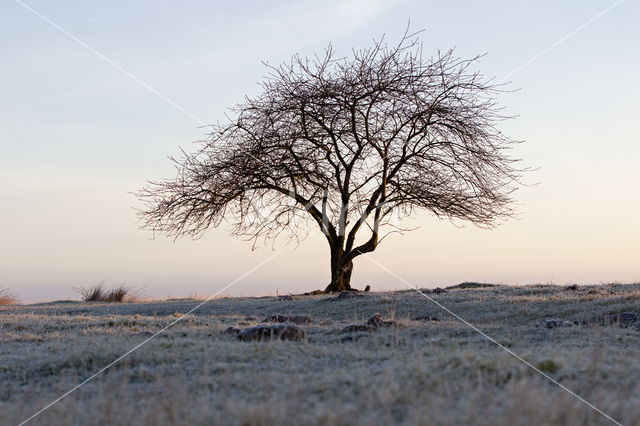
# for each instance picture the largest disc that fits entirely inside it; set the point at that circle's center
(623, 319)
(285, 298)
(231, 330)
(377, 321)
(367, 288)
(296, 319)
(348, 295)
(251, 319)
(373, 324)
(554, 323)
(262, 332)
(358, 328)
(75, 311)
(436, 290)
(353, 337)
(571, 287)
(425, 318)
(144, 333)
(628, 318)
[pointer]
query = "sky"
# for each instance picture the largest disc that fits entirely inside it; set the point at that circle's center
(89, 112)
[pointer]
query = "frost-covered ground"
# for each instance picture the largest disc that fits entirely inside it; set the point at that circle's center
(416, 372)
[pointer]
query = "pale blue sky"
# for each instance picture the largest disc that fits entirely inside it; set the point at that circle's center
(77, 135)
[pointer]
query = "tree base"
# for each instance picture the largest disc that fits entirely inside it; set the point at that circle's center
(337, 287)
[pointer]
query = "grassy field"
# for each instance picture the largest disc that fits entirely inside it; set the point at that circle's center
(417, 371)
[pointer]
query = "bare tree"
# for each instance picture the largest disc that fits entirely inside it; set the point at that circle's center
(346, 145)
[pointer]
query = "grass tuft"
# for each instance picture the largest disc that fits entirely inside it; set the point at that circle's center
(98, 293)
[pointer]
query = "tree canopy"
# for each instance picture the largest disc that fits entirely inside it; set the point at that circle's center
(349, 145)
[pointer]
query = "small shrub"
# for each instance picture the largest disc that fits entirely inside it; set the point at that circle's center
(7, 297)
(98, 293)
(548, 366)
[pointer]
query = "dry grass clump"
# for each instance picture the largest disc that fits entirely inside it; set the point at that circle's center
(98, 293)
(470, 284)
(7, 297)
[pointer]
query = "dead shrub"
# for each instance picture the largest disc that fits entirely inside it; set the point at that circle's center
(7, 297)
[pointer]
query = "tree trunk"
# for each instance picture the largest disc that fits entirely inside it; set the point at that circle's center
(340, 272)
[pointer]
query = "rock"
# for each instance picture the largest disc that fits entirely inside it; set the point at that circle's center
(367, 288)
(349, 295)
(251, 319)
(296, 319)
(571, 287)
(377, 321)
(623, 319)
(262, 332)
(314, 293)
(628, 318)
(358, 328)
(425, 318)
(437, 290)
(353, 337)
(554, 322)
(231, 330)
(372, 325)
(144, 333)
(285, 298)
